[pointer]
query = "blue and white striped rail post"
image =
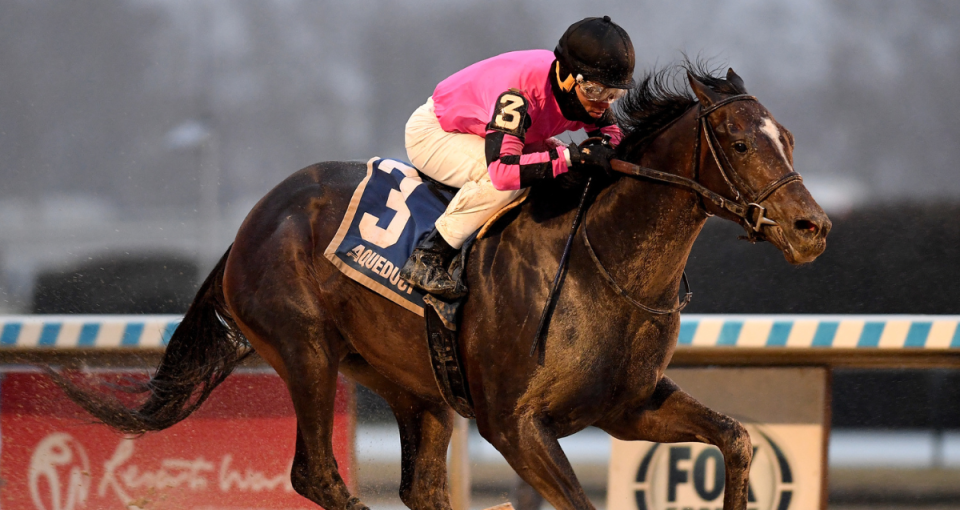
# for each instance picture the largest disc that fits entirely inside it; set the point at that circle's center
(27, 332)
(928, 332)
(932, 332)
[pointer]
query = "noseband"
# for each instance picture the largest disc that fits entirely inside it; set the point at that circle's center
(745, 205)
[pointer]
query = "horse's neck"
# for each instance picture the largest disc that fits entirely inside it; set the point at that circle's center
(643, 231)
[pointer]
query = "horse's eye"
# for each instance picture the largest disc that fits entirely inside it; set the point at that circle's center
(740, 147)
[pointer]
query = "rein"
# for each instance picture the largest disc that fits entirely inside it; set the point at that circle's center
(688, 295)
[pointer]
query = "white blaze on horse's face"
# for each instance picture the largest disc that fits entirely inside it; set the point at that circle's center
(769, 128)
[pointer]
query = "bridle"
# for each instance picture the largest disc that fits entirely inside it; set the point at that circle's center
(746, 205)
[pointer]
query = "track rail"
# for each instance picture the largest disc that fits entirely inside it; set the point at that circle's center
(728, 340)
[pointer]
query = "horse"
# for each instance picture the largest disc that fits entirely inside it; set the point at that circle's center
(615, 322)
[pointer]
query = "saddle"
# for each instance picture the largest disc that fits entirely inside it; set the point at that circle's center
(391, 210)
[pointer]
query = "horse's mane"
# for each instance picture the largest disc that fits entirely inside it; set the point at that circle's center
(659, 98)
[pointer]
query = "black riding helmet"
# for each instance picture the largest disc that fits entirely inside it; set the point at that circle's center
(599, 50)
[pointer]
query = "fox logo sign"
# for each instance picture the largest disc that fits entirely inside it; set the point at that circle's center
(690, 476)
(785, 412)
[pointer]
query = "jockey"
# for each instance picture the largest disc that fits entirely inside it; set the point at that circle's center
(488, 130)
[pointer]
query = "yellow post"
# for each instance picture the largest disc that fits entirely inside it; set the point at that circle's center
(459, 467)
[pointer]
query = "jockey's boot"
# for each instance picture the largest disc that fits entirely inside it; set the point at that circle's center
(426, 269)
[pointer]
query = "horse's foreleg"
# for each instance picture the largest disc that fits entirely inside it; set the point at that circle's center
(533, 451)
(672, 416)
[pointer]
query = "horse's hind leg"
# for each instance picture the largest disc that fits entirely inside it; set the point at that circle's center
(307, 359)
(312, 381)
(673, 416)
(424, 436)
(425, 429)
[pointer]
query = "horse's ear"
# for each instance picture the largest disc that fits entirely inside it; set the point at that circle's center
(705, 94)
(736, 80)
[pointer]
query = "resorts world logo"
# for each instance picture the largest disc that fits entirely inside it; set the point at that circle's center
(59, 474)
(690, 476)
(59, 477)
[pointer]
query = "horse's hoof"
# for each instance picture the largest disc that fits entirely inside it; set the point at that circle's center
(356, 504)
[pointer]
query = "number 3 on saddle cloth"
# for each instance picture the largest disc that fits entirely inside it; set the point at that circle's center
(391, 210)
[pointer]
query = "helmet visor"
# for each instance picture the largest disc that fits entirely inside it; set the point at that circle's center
(599, 93)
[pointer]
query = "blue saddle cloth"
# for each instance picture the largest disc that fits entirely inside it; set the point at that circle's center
(391, 211)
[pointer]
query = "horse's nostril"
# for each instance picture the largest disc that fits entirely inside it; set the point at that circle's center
(806, 226)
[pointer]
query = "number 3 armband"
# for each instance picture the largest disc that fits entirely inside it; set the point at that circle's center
(510, 114)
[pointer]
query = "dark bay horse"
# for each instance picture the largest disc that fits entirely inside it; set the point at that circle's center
(603, 359)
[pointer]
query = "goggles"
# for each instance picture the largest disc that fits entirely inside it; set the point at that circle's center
(598, 92)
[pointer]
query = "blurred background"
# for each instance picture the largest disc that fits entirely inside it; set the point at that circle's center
(136, 134)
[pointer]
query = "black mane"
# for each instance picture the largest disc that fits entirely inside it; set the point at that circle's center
(661, 97)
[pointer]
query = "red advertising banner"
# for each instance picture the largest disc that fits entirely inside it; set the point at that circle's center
(234, 453)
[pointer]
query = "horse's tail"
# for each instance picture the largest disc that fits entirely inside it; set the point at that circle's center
(203, 351)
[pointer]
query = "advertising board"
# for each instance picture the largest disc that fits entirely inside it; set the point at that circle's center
(234, 453)
(784, 410)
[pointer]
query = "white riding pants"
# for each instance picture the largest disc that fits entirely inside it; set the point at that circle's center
(458, 160)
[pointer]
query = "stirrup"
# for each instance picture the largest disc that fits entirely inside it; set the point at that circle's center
(431, 277)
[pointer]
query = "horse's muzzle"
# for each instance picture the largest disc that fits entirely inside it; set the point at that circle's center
(804, 238)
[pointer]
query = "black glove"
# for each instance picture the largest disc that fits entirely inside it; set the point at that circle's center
(592, 154)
